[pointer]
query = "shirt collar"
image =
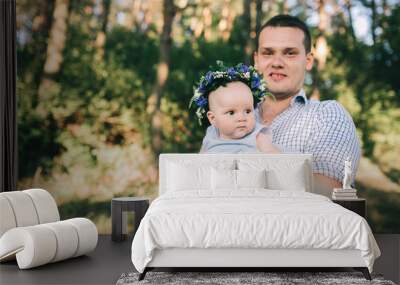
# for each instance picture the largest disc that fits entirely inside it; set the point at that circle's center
(300, 97)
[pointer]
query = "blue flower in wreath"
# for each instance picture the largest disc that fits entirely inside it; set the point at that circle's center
(209, 77)
(201, 101)
(243, 68)
(202, 87)
(232, 73)
(255, 82)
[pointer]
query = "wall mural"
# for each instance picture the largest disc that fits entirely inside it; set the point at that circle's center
(104, 86)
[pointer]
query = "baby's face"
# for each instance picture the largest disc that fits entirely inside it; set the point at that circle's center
(231, 110)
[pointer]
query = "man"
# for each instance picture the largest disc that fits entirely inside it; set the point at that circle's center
(325, 129)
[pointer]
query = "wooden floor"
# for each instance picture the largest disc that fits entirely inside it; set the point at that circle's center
(111, 259)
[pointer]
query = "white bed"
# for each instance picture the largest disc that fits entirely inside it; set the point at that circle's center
(247, 210)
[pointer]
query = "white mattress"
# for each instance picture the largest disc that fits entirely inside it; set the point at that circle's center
(253, 218)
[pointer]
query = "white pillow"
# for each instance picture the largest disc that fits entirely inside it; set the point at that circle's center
(228, 179)
(223, 179)
(251, 178)
(188, 177)
(282, 174)
(293, 180)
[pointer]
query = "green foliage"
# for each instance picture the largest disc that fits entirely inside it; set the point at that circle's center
(133, 51)
(37, 143)
(369, 72)
(387, 52)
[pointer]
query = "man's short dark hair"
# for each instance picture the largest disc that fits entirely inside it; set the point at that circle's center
(291, 22)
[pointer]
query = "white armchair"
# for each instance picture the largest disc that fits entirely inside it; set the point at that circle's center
(31, 230)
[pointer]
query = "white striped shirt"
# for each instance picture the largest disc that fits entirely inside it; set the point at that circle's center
(324, 129)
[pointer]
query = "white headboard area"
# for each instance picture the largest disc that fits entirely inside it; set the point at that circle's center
(215, 159)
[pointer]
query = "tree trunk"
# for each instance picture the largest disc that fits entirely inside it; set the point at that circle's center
(54, 55)
(271, 8)
(283, 7)
(373, 22)
(41, 25)
(112, 18)
(305, 9)
(42, 20)
(246, 33)
(101, 35)
(154, 103)
(348, 8)
(225, 23)
(321, 48)
(374, 25)
(207, 16)
(133, 13)
(259, 13)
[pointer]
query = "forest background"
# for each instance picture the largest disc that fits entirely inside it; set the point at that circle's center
(103, 87)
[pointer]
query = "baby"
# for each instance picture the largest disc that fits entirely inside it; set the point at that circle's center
(227, 99)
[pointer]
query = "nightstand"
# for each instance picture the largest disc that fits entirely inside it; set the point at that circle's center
(119, 207)
(358, 206)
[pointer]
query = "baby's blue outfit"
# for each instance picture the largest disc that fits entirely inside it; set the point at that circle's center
(212, 143)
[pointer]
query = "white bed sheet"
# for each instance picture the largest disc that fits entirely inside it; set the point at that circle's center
(252, 218)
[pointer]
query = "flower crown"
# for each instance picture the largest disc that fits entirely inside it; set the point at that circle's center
(220, 77)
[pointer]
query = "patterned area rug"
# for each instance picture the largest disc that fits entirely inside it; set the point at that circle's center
(229, 278)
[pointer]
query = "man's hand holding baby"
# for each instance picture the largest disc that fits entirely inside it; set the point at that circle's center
(264, 143)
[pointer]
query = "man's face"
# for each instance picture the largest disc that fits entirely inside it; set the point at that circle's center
(231, 110)
(281, 58)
